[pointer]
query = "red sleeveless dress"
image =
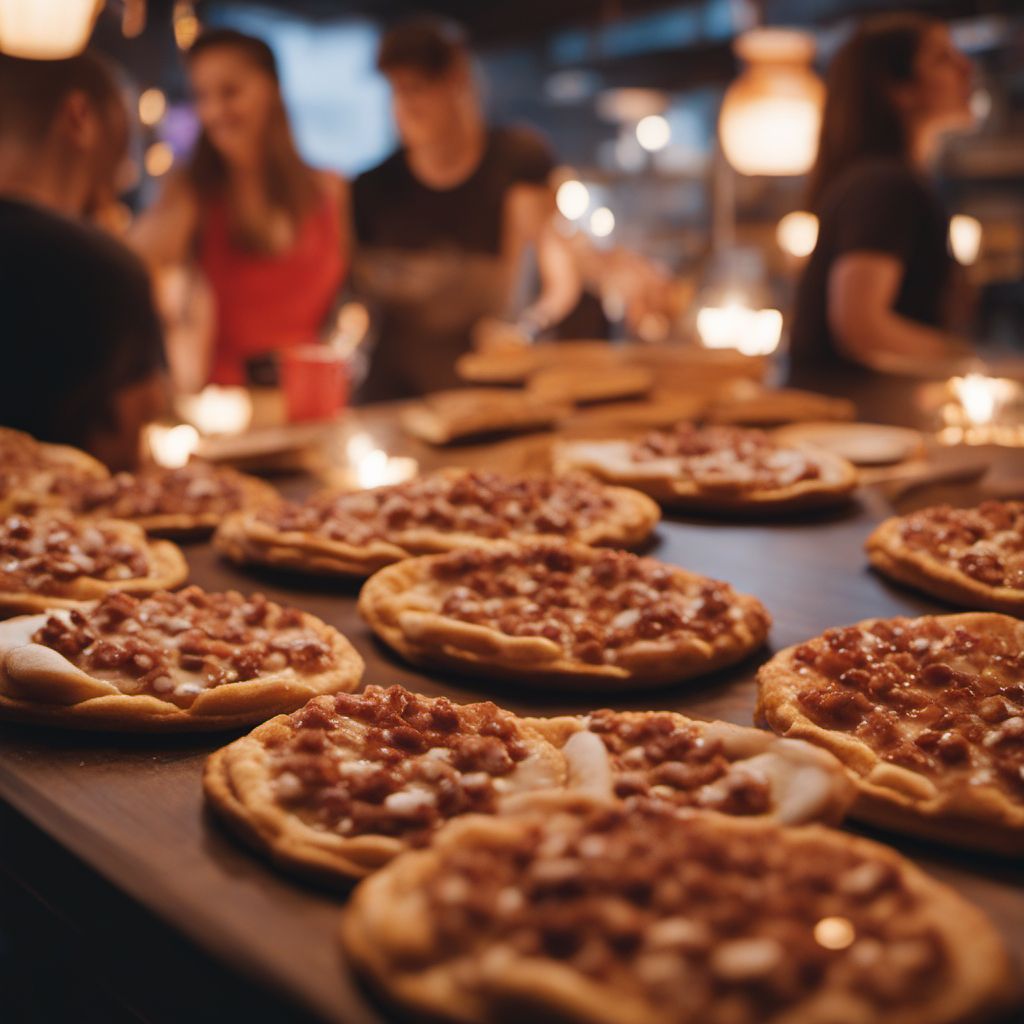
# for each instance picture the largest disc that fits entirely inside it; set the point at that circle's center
(268, 302)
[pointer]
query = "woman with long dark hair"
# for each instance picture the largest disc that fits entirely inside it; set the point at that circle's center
(875, 291)
(269, 233)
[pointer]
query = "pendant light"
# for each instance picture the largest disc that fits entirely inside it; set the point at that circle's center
(771, 113)
(46, 29)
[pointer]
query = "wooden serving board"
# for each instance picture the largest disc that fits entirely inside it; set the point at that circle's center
(130, 815)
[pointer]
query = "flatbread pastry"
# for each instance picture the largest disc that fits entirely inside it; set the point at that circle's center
(188, 501)
(53, 560)
(714, 766)
(723, 469)
(513, 364)
(462, 413)
(180, 661)
(927, 714)
(356, 533)
(574, 384)
(749, 405)
(34, 474)
(588, 913)
(972, 557)
(547, 614)
(340, 787)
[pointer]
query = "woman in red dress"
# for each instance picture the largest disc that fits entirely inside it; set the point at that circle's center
(269, 233)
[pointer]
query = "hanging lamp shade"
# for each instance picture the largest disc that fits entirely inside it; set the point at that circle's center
(46, 29)
(771, 113)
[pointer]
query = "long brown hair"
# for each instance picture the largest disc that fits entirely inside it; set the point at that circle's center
(860, 118)
(290, 185)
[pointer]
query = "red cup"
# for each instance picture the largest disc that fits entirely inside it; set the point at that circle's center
(314, 379)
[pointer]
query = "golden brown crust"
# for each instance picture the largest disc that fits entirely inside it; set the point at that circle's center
(223, 490)
(610, 461)
(40, 473)
(238, 784)
(402, 604)
(447, 416)
(892, 557)
(389, 935)
(167, 570)
(78, 700)
(980, 817)
(246, 538)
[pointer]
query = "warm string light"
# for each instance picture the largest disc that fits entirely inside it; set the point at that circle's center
(602, 222)
(797, 234)
(965, 238)
(186, 24)
(159, 159)
(653, 132)
(152, 106)
(572, 199)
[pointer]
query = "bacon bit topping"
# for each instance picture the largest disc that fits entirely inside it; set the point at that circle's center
(592, 603)
(731, 457)
(47, 552)
(391, 762)
(700, 923)
(923, 696)
(482, 503)
(985, 543)
(175, 645)
(665, 756)
(195, 489)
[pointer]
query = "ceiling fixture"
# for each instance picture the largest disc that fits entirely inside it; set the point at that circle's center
(46, 29)
(58, 29)
(771, 113)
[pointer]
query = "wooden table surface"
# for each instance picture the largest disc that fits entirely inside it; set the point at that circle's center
(130, 811)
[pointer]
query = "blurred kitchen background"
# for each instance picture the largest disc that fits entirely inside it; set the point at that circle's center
(630, 95)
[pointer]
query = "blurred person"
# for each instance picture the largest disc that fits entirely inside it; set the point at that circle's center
(83, 349)
(443, 224)
(268, 232)
(876, 292)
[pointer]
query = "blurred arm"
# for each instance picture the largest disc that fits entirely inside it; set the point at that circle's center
(862, 288)
(164, 233)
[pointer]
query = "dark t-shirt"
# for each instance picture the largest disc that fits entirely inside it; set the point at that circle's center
(78, 324)
(879, 206)
(428, 261)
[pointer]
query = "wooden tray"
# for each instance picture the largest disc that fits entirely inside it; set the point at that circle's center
(131, 810)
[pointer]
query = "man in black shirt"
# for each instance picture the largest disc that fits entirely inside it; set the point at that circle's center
(442, 225)
(83, 359)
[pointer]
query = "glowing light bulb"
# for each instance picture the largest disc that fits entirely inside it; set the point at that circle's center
(152, 106)
(797, 233)
(653, 133)
(602, 222)
(159, 159)
(572, 199)
(965, 238)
